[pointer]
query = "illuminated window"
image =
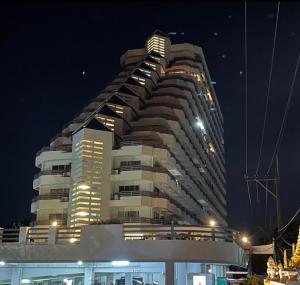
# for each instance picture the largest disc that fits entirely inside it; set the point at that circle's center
(141, 80)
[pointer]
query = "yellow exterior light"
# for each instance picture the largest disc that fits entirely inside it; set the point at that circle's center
(212, 223)
(82, 214)
(72, 240)
(245, 239)
(54, 224)
(83, 187)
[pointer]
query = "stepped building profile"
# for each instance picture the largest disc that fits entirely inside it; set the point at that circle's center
(132, 190)
(148, 149)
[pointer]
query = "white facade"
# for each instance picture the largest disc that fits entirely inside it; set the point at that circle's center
(164, 159)
(168, 261)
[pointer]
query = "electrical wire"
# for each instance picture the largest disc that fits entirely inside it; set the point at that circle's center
(246, 94)
(268, 91)
(289, 244)
(249, 196)
(297, 212)
(283, 124)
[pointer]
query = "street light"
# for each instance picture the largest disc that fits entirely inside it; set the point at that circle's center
(245, 239)
(248, 250)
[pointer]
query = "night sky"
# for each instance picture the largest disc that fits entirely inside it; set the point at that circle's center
(56, 57)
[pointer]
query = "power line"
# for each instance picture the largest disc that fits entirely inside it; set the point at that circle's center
(283, 123)
(297, 212)
(246, 93)
(268, 90)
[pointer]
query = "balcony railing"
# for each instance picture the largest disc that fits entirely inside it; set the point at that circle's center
(66, 148)
(37, 235)
(68, 235)
(9, 235)
(51, 197)
(152, 230)
(118, 195)
(178, 232)
(140, 167)
(146, 143)
(53, 172)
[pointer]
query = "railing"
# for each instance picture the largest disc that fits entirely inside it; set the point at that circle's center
(178, 232)
(140, 167)
(51, 197)
(143, 229)
(146, 143)
(143, 220)
(68, 235)
(139, 193)
(66, 148)
(52, 172)
(60, 222)
(9, 235)
(37, 235)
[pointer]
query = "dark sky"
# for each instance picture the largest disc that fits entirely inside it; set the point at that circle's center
(44, 49)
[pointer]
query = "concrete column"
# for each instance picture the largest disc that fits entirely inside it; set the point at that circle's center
(52, 235)
(181, 273)
(16, 275)
(23, 235)
(128, 278)
(169, 273)
(88, 276)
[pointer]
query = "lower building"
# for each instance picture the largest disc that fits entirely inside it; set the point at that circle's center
(119, 254)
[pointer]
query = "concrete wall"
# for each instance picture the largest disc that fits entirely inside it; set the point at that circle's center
(105, 243)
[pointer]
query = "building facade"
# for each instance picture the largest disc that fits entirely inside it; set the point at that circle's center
(148, 149)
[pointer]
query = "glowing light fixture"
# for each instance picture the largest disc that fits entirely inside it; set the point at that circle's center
(72, 240)
(25, 281)
(2, 263)
(209, 270)
(245, 239)
(212, 223)
(84, 187)
(79, 262)
(120, 263)
(200, 124)
(68, 281)
(82, 214)
(54, 224)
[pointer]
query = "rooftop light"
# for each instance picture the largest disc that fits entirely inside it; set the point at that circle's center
(2, 263)
(120, 263)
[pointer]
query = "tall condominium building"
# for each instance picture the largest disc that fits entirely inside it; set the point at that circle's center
(148, 149)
